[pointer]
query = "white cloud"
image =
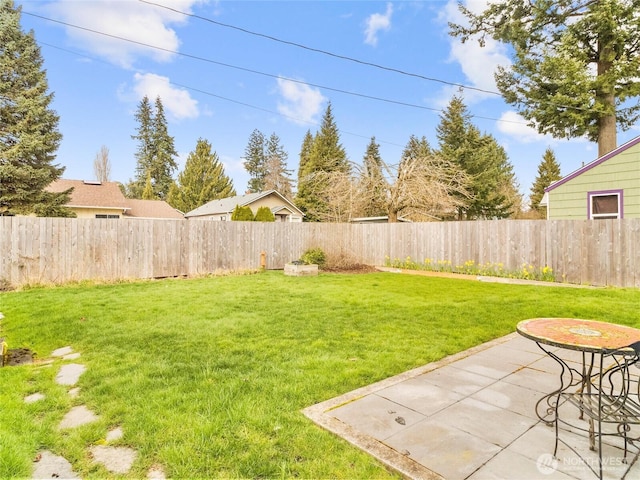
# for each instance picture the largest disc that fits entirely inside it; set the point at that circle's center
(177, 102)
(478, 64)
(375, 23)
(300, 102)
(514, 125)
(130, 19)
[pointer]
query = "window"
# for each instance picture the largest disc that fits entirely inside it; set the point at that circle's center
(604, 205)
(100, 215)
(223, 218)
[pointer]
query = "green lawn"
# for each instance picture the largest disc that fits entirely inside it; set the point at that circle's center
(207, 377)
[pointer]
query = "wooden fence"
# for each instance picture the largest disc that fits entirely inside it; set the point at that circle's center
(56, 250)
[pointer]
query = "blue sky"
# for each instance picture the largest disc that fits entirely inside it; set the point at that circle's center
(221, 83)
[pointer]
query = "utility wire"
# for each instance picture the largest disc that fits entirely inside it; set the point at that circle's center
(324, 52)
(344, 57)
(256, 72)
(226, 99)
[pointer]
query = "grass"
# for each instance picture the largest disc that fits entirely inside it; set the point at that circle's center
(207, 377)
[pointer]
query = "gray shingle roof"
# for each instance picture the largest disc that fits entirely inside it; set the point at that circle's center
(226, 205)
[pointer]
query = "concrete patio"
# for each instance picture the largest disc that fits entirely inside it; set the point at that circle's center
(469, 416)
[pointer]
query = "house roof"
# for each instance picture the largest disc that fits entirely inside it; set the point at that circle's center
(594, 163)
(152, 209)
(107, 195)
(226, 205)
(88, 194)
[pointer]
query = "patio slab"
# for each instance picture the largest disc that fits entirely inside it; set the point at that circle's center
(470, 416)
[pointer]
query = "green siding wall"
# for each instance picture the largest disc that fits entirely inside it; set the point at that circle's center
(620, 172)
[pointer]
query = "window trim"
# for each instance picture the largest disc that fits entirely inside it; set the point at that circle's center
(604, 193)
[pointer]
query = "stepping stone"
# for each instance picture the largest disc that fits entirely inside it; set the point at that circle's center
(74, 392)
(114, 459)
(61, 352)
(71, 356)
(49, 465)
(77, 416)
(115, 434)
(156, 472)
(70, 374)
(33, 398)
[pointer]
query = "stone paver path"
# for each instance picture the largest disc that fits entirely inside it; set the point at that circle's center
(117, 460)
(70, 374)
(52, 466)
(114, 459)
(77, 417)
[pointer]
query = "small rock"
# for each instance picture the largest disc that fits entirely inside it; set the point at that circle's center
(71, 356)
(77, 416)
(61, 352)
(49, 465)
(115, 434)
(114, 459)
(70, 374)
(74, 392)
(33, 398)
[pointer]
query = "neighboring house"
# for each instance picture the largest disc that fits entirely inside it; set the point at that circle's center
(221, 210)
(90, 199)
(151, 209)
(608, 187)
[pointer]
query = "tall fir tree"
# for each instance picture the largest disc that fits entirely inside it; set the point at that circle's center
(326, 156)
(484, 161)
(202, 180)
(567, 54)
(164, 162)
(254, 161)
(29, 135)
(304, 178)
(372, 182)
(277, 175)
(548, 172)
(156, 151)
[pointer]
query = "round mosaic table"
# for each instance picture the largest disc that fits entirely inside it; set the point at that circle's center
(602, 388)
(575, 334)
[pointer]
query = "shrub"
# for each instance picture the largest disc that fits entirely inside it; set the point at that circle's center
(242, 214)
(314, 256)
(264, 214)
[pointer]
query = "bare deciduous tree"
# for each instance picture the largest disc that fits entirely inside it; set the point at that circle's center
(102, 165)
(418, 188)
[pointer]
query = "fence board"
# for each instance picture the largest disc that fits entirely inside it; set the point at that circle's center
(43, 250)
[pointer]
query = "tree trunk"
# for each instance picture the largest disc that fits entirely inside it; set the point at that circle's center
(605, 96)
(607, 135)
(393, 216)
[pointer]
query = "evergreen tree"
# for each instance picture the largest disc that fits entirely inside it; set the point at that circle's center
(327, 153)
(202, 180)
(484, 161)
(575, 63)
(277, 176)
(29, 135)
(242, 214)
(254, 161)
(164, 163)
(156, 151)
(303, 194)
(146, 150)
(372, 182)
(548, 172)
(264, 214)
(148, 193)
(325, 157)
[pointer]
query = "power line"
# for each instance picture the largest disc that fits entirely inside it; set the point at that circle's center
(256, 72)
(350, 59)
(227, 99)
(323, 52)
